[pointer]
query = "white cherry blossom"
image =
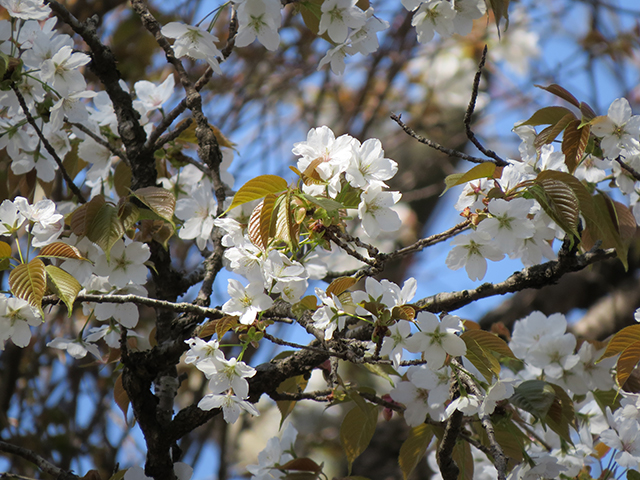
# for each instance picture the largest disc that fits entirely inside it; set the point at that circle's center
(246, 302)
(231, 406)
(338, 16)
(437, 339)
(125, 264)
(375, 212)
(16, 316)
(194, 42)
(617, 129)
(431, 17)
(225, 374)
(471, 251)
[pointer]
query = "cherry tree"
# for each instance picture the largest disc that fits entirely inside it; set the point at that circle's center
(152, 301)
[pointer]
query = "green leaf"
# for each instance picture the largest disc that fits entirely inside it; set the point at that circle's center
(486, 363)
(295, 384)
(258, 188)
(463, 459)
(28, 281)
(564, 94)
(484, 170)
(5, 250)
(382, 371)
(349, 196)
(534, 396)
(548, 116)
(328, 204)
(633, 475)
(574, 143)
(159, 200)
(357, 429)
(559, 201)
(561, 415)
(613, 224)
(82, 216)
(414, 448)
(500, 10)
(105, 229)
(64, 285)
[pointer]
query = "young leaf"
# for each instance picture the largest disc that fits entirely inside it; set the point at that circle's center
(28, 281)
(548, 116)
(574, 143)
(549, 134)
(621, 340)
(628, 360)
(489, 341)
(258, 188)
(484, 170)
(559, 202)
(105, 228)
(82, 216)
(64, 285)
(286, 229)
(159, 200)
(500, 10)
(561, 415)
(260, 222)
(60, 250)
(414, 448)
(340, 285)
(463, 459)
(357, 429)
(558, 91)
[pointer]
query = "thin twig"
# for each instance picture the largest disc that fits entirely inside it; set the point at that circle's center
(436, 146)
(427, 242)
(72, 186)
(471, 107)
(350, 251)
(318, 396)
(98, 139)
(42, 463)
(634, 173)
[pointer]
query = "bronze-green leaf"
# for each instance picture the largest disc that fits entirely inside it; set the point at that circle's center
(561, 92)
(28, 281)
(64, 285)
(574, 143)
(295, 384)
(357, 429)
(105, 228)
(484, 170)
(547, 116)
(258, 188)
(159, 200)
(414, 448)
(60, 250)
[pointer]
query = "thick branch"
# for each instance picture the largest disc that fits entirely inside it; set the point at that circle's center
(536, 276)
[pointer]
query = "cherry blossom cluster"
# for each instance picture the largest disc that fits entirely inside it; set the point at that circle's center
(444, 17)
(227, 383)
(278, 452)
(361, 165)
(518, 227)
(547, 353)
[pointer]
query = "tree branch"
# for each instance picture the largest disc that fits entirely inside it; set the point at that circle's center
(471, 107)
(42, 463)
(436, 146)
(72, 186)
(536, 276)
